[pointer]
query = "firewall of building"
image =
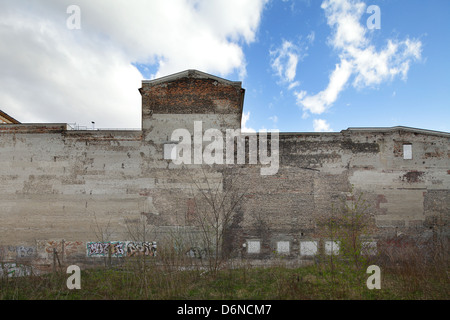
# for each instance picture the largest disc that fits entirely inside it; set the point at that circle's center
(66, 189)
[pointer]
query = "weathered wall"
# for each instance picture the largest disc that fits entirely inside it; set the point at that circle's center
(317, 170)
(78, 187)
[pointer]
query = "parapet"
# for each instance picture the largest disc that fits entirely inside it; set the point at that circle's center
(191, 92)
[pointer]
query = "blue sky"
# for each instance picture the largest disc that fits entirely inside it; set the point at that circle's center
(306, 65)
(421, 99)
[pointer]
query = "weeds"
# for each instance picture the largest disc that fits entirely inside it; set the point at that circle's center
(275, 283)
(411, 268)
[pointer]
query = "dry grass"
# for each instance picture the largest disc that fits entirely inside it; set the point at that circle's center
(408, 274)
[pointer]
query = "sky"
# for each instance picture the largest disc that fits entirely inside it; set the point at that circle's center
(306, 65)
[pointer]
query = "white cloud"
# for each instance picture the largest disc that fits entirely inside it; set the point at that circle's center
(321, 125)
(53, 74)
(311, 37)
(245, 128)
(358, 56)
(319, 103)
(285, 60)
(245, 118)
(294, 84)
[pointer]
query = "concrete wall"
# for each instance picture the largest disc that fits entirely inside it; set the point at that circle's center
(63, 189)
(408, 197)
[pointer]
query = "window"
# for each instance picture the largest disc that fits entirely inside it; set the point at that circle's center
(332, 247)
(407, 151)
(308, 248)
(283, 247)
(253, 246)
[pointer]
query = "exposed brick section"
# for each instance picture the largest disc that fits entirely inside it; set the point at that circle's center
(413, 176)
(191, 95)
(357, 147)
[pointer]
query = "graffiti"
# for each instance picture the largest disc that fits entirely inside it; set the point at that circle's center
(13, 252)
(69, 247)
(141, 249)
(105, 249)
(15, 270)
(23, 252)
(121, 249)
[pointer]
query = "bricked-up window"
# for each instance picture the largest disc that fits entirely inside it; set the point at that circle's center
(283, 247)
(308, 248)
(407, 151)
(332, 247)
(253, 246)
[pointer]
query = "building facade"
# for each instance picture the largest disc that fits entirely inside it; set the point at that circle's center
(77, 192)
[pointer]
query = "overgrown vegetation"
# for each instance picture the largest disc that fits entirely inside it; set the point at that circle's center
(245, 282)
(346, 236)
(411, 268)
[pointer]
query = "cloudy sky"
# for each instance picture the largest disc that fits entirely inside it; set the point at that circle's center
(306, 65)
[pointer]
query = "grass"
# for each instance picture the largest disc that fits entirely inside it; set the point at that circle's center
(410, 270)
(318, 282)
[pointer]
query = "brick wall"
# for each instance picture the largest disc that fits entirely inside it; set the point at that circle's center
(84, 186)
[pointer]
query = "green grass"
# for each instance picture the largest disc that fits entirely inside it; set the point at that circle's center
(275, 283)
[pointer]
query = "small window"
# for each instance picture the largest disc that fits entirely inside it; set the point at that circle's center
(308, 248)
(170, 151)
(253, 246)
(332, 247)
(407, 151)
(283, 247)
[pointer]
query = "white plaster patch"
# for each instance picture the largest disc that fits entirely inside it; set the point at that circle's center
(308, 248)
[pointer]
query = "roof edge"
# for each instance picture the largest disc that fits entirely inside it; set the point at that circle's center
(190, 73)
(8, 117)
(398, 128)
